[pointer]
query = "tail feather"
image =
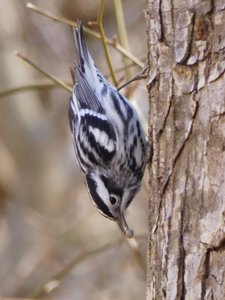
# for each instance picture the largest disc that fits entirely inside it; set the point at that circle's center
(83, 61)
(82, 54)
(83, 58)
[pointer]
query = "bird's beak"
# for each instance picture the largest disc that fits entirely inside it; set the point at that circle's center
(124, 227)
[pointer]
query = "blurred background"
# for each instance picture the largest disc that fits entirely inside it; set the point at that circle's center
(48, 226)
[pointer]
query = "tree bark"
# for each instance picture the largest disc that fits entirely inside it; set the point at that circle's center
(186, 84)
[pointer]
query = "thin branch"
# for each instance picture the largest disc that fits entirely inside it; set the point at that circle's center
(55, 18)
(93, 33)
(51, 77)
(133, 244)
(126, 53)
(39, 84)
(103, 39)
(56, 278)
(44, 84)
(139, 76)
(62, 273)
(122, 32)
(101, 12)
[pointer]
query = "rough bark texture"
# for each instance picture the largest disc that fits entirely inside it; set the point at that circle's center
(186, 247)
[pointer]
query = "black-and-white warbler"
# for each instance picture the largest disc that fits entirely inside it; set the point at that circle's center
(108, 138)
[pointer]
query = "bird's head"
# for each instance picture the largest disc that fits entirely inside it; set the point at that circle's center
(110, 198)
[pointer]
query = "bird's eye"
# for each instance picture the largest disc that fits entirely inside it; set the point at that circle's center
(113, 200)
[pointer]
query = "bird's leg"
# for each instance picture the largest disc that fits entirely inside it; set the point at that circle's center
(141, 75)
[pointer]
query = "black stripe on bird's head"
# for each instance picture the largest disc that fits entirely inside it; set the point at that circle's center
(105, 196)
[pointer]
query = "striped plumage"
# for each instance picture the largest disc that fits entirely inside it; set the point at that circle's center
(108, 138)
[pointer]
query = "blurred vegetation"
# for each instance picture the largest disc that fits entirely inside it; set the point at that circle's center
(53, 243)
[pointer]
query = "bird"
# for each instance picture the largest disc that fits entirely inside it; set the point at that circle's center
(108, 137)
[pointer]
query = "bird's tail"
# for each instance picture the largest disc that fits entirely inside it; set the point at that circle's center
(83, 59)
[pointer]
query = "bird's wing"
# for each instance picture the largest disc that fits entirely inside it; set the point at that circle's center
(100, 136)
(93, 129)
(86, 97)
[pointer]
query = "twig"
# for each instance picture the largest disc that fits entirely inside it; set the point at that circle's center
(133, 244)
(43, 84)
(66, 21)
(139, 76)
(93, 33)
(39, 84)
(59, 275)
(121, 28)
(51, 77)
(103, 39)
(40, 292)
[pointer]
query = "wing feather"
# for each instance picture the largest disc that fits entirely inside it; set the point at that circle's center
(85, 95)
(100, 135)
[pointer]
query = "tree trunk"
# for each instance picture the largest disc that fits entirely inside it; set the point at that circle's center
(186, 246)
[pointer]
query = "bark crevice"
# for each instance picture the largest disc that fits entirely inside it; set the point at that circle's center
(187, 131)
